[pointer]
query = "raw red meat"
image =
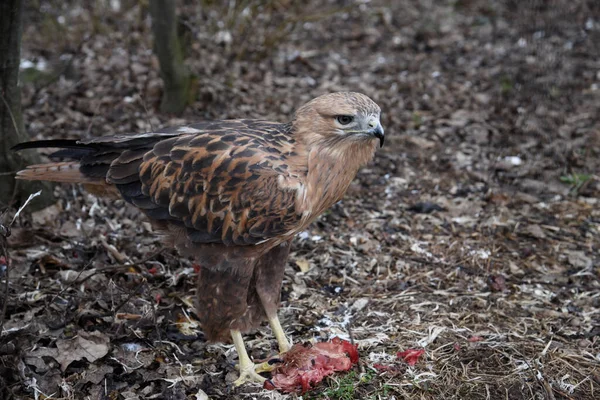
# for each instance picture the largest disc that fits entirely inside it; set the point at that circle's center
(305, 365)
(411, 356)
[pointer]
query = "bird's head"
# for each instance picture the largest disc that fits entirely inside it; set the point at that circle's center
(342, 117)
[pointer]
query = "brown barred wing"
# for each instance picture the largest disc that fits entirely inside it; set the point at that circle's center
(220, 188)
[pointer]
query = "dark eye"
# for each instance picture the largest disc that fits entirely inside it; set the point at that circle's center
(344, 119)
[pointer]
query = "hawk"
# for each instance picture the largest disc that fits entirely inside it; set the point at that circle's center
(232, 194)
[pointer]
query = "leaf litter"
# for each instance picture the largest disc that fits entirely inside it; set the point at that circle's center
(473, 235)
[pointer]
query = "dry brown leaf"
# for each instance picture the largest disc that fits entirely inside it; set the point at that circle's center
(88, 345)
(578, 259)
(536, 231)
(303, 264)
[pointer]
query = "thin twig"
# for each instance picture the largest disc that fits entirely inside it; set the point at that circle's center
(115, 268)
(12, 117)
(4, 234)
(31, 197)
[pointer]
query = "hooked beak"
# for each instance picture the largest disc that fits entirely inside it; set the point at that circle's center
(378, 133)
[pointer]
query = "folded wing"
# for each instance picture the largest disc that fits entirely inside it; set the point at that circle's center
(218, 181)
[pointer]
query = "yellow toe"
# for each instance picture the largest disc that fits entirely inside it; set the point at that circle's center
(267, 366)
(248, 374)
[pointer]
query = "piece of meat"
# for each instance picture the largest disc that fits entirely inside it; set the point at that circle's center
(305, 365)
(411, 356)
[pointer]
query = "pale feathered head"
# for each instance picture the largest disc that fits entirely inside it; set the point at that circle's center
(342, 117)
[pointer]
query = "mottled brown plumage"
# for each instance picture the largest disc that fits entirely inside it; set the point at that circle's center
(231, 193)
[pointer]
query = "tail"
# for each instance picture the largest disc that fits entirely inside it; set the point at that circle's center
(106, 164)
(68, 172)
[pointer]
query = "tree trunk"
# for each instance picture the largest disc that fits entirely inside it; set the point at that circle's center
(167, 47)
(12, 130)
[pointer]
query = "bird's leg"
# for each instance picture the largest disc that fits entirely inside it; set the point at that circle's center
(282, 341)
(284, 346)
(269, 277)
(246, 366)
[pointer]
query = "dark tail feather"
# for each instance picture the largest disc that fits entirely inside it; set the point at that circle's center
(60, 171)
(59, 143)
(70, 149)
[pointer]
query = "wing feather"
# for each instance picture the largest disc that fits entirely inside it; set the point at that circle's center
(219, 182)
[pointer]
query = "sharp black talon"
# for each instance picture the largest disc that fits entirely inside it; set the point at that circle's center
(275, 361)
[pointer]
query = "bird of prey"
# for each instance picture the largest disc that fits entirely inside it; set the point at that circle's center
(232, 194)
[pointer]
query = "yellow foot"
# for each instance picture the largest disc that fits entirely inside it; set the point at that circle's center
(246, 366)
(249, 373)
(268, 366)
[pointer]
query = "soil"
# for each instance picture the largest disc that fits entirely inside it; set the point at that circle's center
(473, 235)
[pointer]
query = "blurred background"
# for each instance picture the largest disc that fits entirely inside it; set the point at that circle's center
(479, 219)
(504, 90)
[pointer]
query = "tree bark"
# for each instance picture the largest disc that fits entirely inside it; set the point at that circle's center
(12, 129)
(167, 47)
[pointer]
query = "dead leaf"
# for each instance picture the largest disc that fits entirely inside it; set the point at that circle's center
(515, 270)
(535, 230)
(421, 142)
(97, 375)
(88, 345)
(187, 325)
(46, 216)
(69, 229)
(496, 283)
(578, 259)
(201, 395)
(303, 264)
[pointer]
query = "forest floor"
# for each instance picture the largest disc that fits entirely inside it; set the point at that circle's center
(474, 235)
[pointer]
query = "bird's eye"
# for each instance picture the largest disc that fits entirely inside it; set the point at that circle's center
(344, 119)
